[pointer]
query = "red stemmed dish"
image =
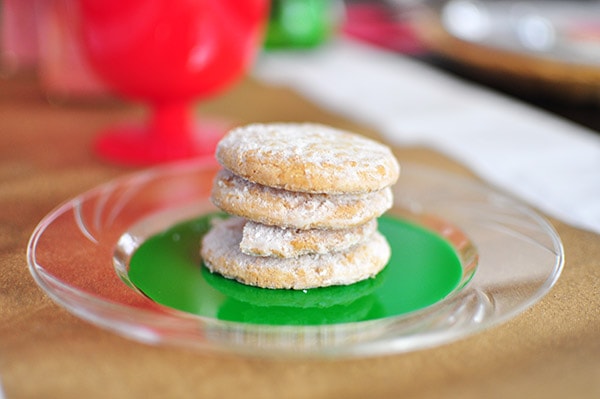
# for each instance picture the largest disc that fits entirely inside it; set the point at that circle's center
(168, 53)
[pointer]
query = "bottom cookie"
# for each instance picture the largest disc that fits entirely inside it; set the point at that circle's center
(221, 254)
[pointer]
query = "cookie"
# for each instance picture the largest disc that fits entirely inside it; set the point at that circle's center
(309, 158)
(262, 240)
(272, 206)
(221, 253)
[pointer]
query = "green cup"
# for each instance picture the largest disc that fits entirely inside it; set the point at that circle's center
(301, 23)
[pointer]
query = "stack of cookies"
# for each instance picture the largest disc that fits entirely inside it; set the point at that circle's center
(304, 200)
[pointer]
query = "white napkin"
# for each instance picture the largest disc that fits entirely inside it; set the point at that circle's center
(546, 161)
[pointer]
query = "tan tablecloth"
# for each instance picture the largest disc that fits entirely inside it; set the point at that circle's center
(549, 351)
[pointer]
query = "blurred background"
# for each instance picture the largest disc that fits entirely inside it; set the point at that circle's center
(544, 52)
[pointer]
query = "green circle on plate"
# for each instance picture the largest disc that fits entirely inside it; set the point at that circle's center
(423, 269)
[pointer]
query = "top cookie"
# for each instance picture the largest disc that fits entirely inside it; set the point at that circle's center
(308, 158)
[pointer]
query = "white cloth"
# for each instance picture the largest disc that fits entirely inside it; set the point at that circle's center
(546, 161)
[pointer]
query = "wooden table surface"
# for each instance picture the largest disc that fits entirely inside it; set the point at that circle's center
(551, 350)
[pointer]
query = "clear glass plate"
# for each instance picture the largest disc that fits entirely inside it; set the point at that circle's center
(79, 255)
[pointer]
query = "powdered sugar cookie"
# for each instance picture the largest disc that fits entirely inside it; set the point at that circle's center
(308, 157)
(284, 208)
(262, 240)
(221, 253)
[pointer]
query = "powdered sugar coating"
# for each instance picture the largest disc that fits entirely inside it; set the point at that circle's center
(308, 157)
(283, 208)
(221, 253)
(262, 240)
